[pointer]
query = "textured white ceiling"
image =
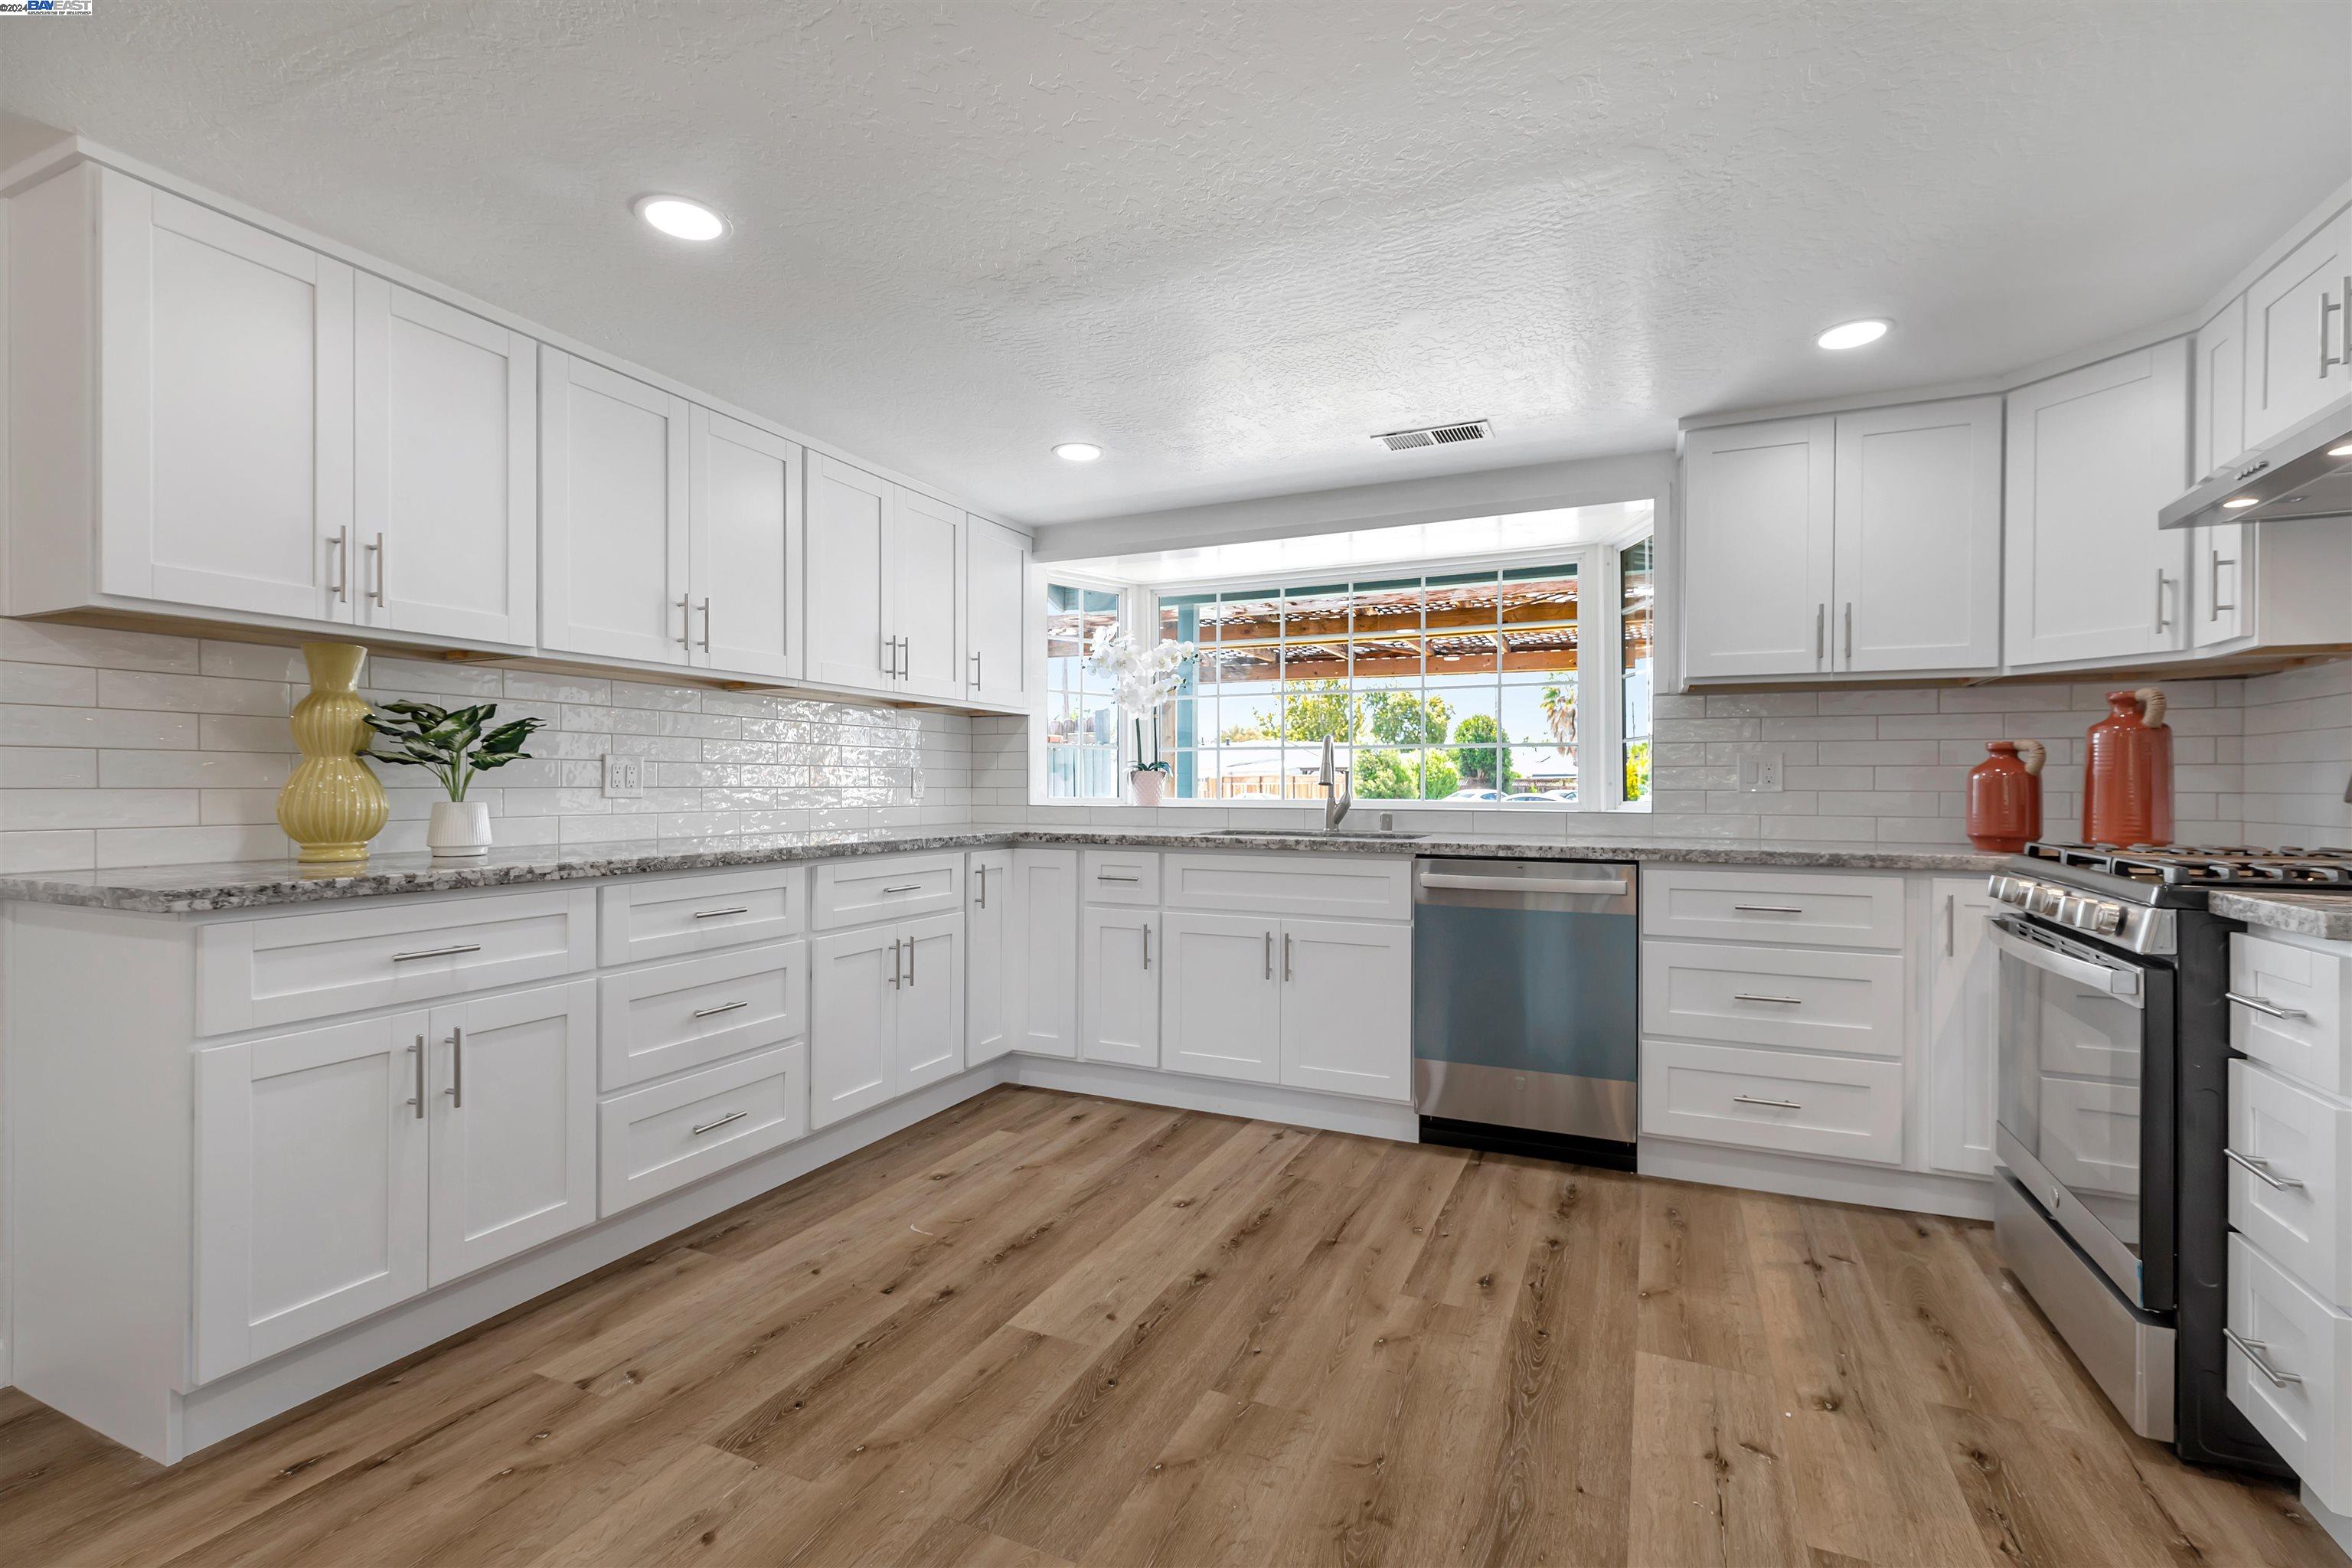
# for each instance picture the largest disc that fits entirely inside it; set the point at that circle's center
(1228, 241)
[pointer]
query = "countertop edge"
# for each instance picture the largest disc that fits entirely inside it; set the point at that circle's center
(215, 889)
(2327, 916)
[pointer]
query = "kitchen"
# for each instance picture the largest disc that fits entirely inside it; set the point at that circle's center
(1070, 859)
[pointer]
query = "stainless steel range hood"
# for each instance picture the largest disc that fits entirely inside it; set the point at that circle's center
(2306, 472)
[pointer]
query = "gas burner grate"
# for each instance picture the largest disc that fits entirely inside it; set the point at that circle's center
(2207, 866)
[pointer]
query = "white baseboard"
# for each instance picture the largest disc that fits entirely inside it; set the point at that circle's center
(1794, 1176)
(2337, 1525)
(226, 1407)
(1227, 1096)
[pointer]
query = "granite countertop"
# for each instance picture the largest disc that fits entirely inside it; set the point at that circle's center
(253, 884)
(2327, 915)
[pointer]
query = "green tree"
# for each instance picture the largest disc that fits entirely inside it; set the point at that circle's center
(1404, 719)
(1637, 769)
(1559, 715)
(1439, 776)
(1479, 752)
(1321, 710)
(1387, 775)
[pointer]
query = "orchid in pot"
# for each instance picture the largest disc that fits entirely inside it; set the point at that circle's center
(1146, 675)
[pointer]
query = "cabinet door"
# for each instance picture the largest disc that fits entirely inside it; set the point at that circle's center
(1757, 520)
(1963, 1027)
(1219, 1001)
(1044, 946)
(930, 1028)
(848, 537)
(989, 988)
(2297, 339)
(2217, 433)
(513, 1102)
(224, 437)
(1347, 1008)
(2222, 578)
(613, 494)
(926, 570)
(2093, 455)
(446, 458)
(310, 1186)
(996, 598)
(743, 499)
(1918, 538)
(1118, 968)
(854, 979)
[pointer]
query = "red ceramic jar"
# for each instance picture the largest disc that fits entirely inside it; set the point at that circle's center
(2127, 771)
(2005, 798)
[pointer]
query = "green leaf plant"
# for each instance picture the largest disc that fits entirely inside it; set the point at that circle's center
(449, 741)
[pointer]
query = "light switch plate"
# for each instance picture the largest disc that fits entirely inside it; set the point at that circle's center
(624, 776)
(1760, 773)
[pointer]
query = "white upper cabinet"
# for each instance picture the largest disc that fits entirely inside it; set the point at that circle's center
(925, 569)
(445, 455)
(2299, 332)
(744, 549)
(224, 411)
(848, 583)
(1757, 520)
(613, 475)
(996, 599)
(2093, 455)
(2216, 431)
(1918, 537)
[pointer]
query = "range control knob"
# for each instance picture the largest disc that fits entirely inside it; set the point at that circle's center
(2107, 919)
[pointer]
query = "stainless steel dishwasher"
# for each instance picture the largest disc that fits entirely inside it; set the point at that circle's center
(1525, 997)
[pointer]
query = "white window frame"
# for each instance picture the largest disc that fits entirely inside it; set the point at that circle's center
(1041, 781)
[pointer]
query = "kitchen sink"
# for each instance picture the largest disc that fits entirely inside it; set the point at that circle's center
(1311, 832)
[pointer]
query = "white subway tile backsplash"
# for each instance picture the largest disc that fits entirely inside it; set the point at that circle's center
(191, 693)
(51, 685)
(31, 726)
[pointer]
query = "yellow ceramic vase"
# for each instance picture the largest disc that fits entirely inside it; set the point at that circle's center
(332, 804)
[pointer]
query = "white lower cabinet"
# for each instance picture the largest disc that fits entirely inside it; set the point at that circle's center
(1796, 1103)
(344, 1169)
(2290, 1370)
(886, 1012)
(656, 1140)
(1321, 1004)
(988, 1010)
(1043, 948)
(666, 1018)
(1963, 1021)
(1119, 977)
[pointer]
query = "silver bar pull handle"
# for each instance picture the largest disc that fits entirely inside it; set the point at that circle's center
(1113, 877)
(1821, 631)
(457, 1089)
(342, 545)
(975, 672)
(1775, 1104)
(2264, 1005)
(1951, 922)
(895, 962)
(904, 887)
(2255, 1351)
(376, 552)
(1769, 909)
(417, 1050)
(1269, 955)
(2260, 1169)
(1286, 956)
(730, 909)
(685, 622)
(722, 1007)
(705, 623)
(1147, 945)
(713, 1126)
(980, 874)
(1849, 633)
(2327, 357)
(449, 952)
(911, 951)
(2162, 620)
(1784, 1000)
(2215, 606)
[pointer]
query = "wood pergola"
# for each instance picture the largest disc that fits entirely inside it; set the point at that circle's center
(1469, 628)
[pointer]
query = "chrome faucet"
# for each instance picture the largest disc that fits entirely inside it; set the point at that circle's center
(1339, 788)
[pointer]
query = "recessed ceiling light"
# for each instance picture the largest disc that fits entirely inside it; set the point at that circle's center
(1852, 334)
(1078, 451)
(2342, 451)
(2235, 502)
(680, 218)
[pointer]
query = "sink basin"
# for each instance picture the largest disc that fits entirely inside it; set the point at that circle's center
(1314, 832)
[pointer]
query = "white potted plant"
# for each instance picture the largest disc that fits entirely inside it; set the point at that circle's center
(451, 745)
(1145, 676)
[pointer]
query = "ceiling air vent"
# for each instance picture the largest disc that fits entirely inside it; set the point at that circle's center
(1435, 435)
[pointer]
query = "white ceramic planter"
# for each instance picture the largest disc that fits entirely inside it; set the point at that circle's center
(1148, 783)
(458, 827)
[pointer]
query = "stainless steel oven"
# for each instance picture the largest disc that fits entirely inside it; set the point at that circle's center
(2086, 1087)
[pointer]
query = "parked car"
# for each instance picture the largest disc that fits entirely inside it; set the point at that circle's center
(1474, 795)
(1526, 797)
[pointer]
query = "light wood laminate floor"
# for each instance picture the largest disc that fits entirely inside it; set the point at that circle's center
(1040, 1329)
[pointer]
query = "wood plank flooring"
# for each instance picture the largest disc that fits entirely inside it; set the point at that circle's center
(1039, 1330)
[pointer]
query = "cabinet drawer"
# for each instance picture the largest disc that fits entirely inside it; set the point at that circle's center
(2303, 1403)
(859, 892)
(1788, 1100)
(2297, 1138)
(656, 1140)
(1356, 886)
(1780, 906)
(254, 973)
(1774, 996)
(2309, 988)
(679, 1015)
(1120, 877)
(673, 916)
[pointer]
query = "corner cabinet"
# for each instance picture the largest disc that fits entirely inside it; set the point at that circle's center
(996, 606)
(1865, 542)
(2093, 455)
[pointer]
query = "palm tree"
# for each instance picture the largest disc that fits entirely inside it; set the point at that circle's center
(1559, 715)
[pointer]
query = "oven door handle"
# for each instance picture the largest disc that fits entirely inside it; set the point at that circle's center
(2117, 981)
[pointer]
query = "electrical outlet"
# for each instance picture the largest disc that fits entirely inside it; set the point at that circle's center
(1760, 773)
(624, 776)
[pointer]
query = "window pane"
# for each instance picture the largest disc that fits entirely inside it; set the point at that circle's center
(1539, 625)
(1638, 613)
(1386, 774)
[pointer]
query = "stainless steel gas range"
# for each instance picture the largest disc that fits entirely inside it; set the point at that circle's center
(2110, 1197)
